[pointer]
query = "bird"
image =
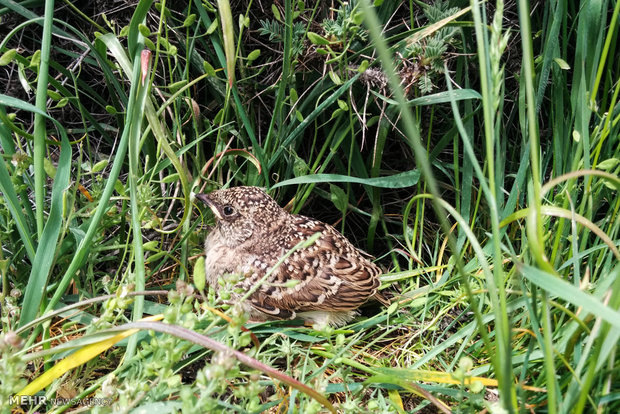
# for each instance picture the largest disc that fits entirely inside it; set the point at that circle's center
(323, 284)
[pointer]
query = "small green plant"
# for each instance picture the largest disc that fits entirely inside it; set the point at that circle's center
(347, 26)
(470, 391)
(424, 60)
(275, 30)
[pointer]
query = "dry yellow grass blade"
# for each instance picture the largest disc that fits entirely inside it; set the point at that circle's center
(427, 31)
(78, 358)
(441, 377)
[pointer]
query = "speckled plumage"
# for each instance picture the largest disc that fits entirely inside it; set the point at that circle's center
(253, 232)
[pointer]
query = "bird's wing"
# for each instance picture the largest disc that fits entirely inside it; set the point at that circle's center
(330, 275)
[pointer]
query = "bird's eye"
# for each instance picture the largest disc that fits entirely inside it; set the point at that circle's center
(229, 210)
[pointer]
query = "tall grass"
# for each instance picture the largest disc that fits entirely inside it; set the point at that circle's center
(472, 148)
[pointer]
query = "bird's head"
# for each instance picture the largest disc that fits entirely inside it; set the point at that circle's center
(241, 211)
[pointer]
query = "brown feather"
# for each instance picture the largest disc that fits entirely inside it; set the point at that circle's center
(332, 275)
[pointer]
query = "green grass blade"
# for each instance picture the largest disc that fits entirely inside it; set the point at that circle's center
(239, 107)
(401, 180)
(85, 245)
(13, 200)
(273, 140)
(565, 290)
(40, 131)
(43, 259)
(137, 99)
(436, 98)
(134, 42)
(14, 206)
(46, 249)
(228, 34)
(308, 120)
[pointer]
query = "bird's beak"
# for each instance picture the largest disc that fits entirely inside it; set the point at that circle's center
(205, 199)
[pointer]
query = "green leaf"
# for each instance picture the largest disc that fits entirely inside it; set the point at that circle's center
(199, 275)
(363, 66)
(339, 197)
(123, 33)
(608, 165)
(336, 113)
(299, 166)
(276, 12)
(253, 55)
(317, 39)
(335, 78)
(149, 44)
(241, 153)
(171, 178)
(293, 96)
(40, 268)
(392, 308)
(562, 63)
(49, 168)
(209, 69)
(7, 57)
(212, 27)
(401, 180)
(218, 117)
(54, 95)
(119, 187)
(189, 20)
(144, 31)
(98, 167)
(35, 59)
(177, 85)
(139, 14)
(151, 246)
(62, 103)
(357, 18)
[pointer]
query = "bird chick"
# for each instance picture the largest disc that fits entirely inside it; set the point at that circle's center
(323, 284)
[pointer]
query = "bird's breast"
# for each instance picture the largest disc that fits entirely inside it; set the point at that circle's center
(223, 259)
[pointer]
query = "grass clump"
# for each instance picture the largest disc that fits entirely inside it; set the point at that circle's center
(472, 148)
